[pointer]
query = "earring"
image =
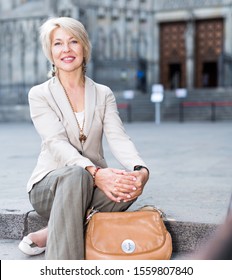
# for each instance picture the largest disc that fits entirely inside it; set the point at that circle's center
(53, 70)
(84, 67)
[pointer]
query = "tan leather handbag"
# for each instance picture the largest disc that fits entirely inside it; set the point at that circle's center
(138, 235)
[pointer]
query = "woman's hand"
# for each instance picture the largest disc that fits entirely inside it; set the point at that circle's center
(117, 184)
(141, 179)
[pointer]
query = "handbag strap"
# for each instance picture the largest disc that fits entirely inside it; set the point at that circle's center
(93, 211)
(90, 214)
(153, 208)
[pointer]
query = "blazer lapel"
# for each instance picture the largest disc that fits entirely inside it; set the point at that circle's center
(90, 102)
(63, 103)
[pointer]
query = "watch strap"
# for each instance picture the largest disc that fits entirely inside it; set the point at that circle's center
(139, 167)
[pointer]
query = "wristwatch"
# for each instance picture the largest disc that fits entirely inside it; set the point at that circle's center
(139, 167)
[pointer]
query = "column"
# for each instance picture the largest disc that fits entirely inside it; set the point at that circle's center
(189, 41)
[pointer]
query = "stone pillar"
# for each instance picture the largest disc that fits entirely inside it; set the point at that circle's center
(228, 32)
(156, 51)
(189, 41)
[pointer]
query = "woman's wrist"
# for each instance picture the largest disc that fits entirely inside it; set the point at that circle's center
(142, 168)
(94, 175)
(93, 171)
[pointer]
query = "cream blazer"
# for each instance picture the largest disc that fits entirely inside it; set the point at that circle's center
(56, 124)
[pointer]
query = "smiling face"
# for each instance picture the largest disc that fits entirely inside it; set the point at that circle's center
(67, 52)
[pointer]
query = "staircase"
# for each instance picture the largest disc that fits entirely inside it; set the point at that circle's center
(171, 105)
(142, 109)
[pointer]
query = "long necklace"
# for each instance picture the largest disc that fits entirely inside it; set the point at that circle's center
(82, 136)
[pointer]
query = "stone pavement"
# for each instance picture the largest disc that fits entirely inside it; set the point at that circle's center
(190, 179)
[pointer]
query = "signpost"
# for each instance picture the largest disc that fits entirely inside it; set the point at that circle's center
(157, 96)
(181, 92)
(129, 95)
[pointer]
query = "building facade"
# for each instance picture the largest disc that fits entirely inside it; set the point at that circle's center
(136, 43)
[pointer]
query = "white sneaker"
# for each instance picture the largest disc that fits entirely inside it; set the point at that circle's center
(28, 247)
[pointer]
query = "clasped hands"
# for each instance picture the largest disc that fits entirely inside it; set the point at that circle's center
(120, 185)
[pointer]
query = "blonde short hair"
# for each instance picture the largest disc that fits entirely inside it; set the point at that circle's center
(70, 25)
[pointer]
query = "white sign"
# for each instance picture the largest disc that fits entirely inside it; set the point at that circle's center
(157, 88)
(128, 94)
(157, 97)
(157, 94)
(181, 92)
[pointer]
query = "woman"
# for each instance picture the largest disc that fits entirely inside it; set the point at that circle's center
(71, 112)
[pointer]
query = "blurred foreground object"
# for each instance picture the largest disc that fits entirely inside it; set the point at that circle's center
(219, 246)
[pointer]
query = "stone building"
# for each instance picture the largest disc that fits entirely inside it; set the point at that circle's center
(136, 43)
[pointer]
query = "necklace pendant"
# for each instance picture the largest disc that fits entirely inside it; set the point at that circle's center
(82, 137)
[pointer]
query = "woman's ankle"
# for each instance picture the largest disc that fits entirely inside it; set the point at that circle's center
(39, 237)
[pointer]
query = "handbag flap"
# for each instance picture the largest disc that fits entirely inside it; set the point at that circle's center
(107, 231)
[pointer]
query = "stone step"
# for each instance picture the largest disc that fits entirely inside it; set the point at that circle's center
(142, 109)
(170, 106)
(186, 236)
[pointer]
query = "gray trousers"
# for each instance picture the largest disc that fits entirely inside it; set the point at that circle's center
(64, 196)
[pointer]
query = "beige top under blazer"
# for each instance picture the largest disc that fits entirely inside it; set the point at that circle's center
(55, 122)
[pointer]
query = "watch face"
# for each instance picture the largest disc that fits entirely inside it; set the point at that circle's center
(138, 167)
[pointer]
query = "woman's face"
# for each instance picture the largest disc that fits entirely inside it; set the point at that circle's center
(67, 52)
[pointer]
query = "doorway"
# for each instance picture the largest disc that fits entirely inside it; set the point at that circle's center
(172, 55)
(208, 48)
(209, 74)
(175, 75)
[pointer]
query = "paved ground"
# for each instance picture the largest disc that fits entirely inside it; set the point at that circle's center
(190, 167)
